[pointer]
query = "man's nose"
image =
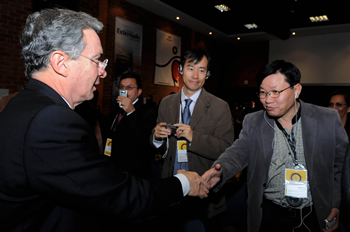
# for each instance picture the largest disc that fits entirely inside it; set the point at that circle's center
(268, 98)
(195, 74)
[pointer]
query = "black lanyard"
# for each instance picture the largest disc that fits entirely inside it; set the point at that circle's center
(291, 138)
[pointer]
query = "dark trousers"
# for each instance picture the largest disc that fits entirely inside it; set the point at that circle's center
(279, 219)
(189, 216)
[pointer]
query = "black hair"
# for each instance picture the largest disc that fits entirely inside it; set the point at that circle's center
(289, 70)
(342, 92)
(131, 75)
(195, 55)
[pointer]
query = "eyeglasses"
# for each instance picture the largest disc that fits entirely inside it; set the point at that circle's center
(100, 64)
(273, 93)
(128, 87)
(337, 104)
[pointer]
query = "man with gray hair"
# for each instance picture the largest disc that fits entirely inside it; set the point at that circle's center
(52, 176)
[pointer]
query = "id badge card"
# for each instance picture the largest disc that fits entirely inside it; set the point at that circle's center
(182, 151)
(296, 182)
(108, 147)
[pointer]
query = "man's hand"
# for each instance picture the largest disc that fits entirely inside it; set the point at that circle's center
(198, 186)
(213, 175)
(126, 103)
(184, 131)
(161, 132)
(334, 213)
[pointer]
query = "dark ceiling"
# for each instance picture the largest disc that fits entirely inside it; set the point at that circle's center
(274, 17)
(277, 17)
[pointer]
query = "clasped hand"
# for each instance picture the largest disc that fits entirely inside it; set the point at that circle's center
(213, 175)
(198, 186)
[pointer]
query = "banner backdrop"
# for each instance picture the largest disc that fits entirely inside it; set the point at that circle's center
(127, 49)
(128, 45)
(167, 59)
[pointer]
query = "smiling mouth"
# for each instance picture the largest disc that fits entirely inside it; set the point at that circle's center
(194, 82)
(269, 108)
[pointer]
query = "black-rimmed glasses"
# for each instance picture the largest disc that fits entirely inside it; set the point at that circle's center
(337, 104)
(272, 93)
(127, 87)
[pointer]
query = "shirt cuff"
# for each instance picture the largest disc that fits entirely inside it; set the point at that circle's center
(130, 113)
(184, 182)
(157, 143)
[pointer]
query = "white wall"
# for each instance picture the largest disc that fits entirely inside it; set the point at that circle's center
(322, 59)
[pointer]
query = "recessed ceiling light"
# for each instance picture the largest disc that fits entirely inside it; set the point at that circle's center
(321, 18)
(210, 33)
(293, 33)
(177, 18)
(222, 7)
(251, 26)
(238, 38)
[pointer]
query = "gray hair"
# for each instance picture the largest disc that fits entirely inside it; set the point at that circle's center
(50, 30)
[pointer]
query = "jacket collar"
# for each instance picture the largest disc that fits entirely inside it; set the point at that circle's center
(42, 88)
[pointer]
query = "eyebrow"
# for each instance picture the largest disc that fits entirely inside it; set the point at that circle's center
(192, 65)
(272, 87)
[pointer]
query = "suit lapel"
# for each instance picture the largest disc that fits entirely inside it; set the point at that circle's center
(174, 112)
(202, 105)
(267, 133)
(309, 136)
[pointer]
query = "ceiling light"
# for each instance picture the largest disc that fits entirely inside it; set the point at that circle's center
(251, 26)
(222, 7)
(238, 38)
(321, 18)
(293, 33)
(177, 18)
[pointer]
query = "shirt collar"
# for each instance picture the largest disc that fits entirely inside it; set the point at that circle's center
(66, 102)
(194, 97)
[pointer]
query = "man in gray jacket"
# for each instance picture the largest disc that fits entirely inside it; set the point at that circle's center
(294, 152)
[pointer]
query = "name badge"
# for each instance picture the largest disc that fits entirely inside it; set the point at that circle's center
(296, 183)
(108, 147)
(182, 151)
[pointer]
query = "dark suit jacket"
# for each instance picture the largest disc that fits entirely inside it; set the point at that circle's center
(325, 142)
(345, 195)
(131, 150)
(52, 177)
(212, 134)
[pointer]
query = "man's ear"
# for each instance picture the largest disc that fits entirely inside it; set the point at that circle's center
(297, 89)
(59, 63)
(139, 92)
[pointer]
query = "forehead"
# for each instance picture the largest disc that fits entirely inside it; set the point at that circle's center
(202, 63)
(128, 81)
(274, 80)
(338, 98)
(92, 42)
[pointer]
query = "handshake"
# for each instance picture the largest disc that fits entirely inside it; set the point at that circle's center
(200, 185)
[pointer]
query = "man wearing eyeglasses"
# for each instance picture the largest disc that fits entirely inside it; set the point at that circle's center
(52, 175)
(294, 152)
(340, 100)
(132, 124)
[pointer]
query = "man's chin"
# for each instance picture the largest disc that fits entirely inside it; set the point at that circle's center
(272, 114)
